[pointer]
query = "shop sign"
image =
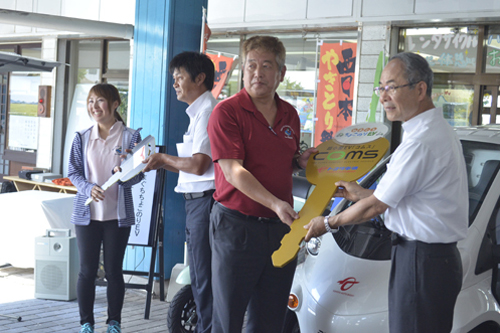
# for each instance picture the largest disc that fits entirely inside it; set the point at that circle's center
(335, 89)
(448, 52)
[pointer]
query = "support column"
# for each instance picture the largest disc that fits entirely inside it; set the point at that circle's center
(163, 28)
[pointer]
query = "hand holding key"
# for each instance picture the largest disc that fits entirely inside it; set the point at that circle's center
(334, 161)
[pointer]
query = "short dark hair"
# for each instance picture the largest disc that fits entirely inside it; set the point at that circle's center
(416, 69)
(194, 63)
(110, 93)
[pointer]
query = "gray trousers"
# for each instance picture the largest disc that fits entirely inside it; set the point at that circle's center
(424, 285)
(199, 256)
(243, 276)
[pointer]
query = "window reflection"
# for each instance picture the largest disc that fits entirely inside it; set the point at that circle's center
(456, 102)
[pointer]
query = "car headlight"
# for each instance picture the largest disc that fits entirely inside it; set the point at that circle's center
(313, 246)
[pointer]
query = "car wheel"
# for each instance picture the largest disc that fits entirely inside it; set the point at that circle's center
(182, 315)
(291, 323)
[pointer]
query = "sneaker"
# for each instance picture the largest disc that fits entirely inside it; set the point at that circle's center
(87, 328)
(114, 327)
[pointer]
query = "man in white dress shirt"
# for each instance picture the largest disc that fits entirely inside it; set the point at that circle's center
(193, 75)
(424, 195)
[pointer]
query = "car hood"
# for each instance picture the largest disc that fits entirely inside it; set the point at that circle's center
(344, 284)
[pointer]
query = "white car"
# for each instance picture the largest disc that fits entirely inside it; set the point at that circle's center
(341, 282)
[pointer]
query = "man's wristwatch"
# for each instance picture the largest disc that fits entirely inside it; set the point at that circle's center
(297, 164)
(328, 228)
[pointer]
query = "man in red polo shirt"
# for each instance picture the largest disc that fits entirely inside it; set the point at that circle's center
(254, 136)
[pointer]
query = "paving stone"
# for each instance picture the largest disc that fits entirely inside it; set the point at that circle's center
(51, 316)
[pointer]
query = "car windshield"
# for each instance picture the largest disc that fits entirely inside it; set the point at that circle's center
(372, 240)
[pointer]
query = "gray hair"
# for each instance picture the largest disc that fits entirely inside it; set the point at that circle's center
(416, 69)
(265, 43)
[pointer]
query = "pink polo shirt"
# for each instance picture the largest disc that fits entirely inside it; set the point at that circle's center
(102, 157)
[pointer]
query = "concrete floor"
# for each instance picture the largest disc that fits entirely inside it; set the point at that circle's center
(17, 288)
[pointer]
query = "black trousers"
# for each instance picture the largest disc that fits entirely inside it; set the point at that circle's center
(424, 285)
(243, 275)
(200, 258)
(114, 240)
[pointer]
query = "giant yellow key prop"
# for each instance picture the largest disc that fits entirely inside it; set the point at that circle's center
(353, 152)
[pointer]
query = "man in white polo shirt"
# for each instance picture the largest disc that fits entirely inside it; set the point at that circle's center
(424, 195)
(193, 75)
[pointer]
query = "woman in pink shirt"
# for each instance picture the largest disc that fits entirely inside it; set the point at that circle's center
(95, 154)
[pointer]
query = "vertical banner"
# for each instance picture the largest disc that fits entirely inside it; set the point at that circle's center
(205, 31)
(335, 89)
(375, 99)
(206, 35)
(223, 66)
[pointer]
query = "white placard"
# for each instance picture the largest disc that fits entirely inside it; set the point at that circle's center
(143, 194)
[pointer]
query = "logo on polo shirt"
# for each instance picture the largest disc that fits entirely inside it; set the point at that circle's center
(118, 150)
(288, 131)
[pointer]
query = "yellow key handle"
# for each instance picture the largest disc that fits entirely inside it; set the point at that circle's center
(334, 161)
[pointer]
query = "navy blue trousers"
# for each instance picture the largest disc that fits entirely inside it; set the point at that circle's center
(424, 285)
(243, 275)
(200, 258)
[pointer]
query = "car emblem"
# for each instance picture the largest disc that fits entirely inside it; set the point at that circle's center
(347, 284)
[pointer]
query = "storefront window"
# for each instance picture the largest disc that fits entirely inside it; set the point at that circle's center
(118, 55)
(117, 71)
(492, 39)
(225, 54)
(89, 61)
(23, 121)
(456, 102)
(448, 50)
(122, 87)
(452, 55)
(489, 93)
(23, 91)
(299, 87)
(317, 84)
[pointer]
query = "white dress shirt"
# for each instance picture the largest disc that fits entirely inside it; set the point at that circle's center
(425, 185)
(199, 112)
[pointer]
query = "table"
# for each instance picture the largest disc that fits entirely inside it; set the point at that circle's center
(26, 215)
(25, 184)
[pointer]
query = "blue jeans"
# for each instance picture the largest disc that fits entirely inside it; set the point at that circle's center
(114, 241)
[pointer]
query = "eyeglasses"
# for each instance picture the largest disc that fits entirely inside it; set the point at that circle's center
(391, 90)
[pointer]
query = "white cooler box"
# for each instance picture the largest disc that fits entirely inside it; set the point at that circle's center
(56, 265)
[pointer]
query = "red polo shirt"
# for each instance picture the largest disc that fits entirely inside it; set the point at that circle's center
(237, 130)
